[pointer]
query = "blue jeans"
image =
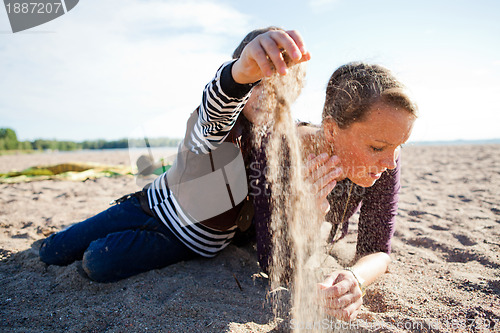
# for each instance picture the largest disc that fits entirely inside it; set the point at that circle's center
(119, 242)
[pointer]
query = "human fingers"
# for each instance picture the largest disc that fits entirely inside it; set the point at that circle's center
(275, 43)
(345, 300)
(322, 288)
(256, 60)
(345, 307)
(295, 35)
(257, 51)
(329, 290)
(324, 205)
(327, 283)
(266, 51)
(291, 42)
(264, 54)
(347, 313)
(342, 285)
(252, 65)
(321, 197)
(313, 163)
(278, 42)
(323, 185)
(329, 167)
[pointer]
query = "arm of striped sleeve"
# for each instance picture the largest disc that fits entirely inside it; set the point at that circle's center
(223, 100)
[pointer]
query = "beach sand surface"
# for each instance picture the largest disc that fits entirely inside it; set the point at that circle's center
(445, 274)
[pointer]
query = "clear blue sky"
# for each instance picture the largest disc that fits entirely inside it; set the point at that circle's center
(107, 68)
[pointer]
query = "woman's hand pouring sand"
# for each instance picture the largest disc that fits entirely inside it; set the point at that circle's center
(264, 55)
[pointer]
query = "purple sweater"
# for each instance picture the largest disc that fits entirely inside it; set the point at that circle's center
(377, 205)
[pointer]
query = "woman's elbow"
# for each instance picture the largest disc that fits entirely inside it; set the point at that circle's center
(386, 258)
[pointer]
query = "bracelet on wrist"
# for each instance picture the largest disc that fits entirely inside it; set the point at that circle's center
(359, 279)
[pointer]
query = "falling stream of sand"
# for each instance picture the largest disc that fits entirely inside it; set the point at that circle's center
(295, 221)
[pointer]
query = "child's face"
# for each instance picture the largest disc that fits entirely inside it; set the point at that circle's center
(369, 147)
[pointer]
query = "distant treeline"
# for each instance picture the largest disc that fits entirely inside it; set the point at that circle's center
(9, 141)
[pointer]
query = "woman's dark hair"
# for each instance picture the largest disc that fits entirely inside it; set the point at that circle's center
(355, 87)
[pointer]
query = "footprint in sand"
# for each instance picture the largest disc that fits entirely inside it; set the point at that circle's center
(464, 240)
(438, 227)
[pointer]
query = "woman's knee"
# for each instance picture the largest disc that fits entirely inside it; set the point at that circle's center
(98, 263)
(51, 252)
(45, 252)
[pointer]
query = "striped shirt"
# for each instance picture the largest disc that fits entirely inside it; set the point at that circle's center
(197, 186)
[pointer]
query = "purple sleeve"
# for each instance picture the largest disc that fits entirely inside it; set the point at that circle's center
(378, 213)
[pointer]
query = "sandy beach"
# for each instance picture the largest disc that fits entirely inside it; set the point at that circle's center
(445, 274)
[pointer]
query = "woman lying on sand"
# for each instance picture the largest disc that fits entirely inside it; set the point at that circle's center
(353, 159)
(193, 209)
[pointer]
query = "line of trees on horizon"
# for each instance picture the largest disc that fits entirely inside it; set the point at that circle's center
(9, 141)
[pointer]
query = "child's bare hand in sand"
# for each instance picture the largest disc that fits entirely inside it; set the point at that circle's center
(341, 295)
(322, 172)
(263, 55)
